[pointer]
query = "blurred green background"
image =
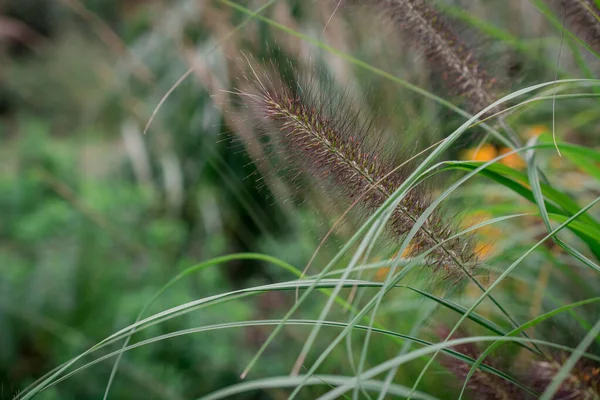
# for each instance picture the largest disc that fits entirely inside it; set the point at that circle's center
(96, 216)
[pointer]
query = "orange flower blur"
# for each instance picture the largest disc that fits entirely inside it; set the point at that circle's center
(513, 160)
(486, 152)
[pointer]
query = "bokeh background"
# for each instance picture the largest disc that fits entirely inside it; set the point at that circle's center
(96, 215)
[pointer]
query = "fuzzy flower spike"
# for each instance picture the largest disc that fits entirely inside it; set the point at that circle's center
(445, 52)
(325, 136)
(583, 17)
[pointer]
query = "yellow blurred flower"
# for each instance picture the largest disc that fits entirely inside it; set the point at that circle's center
(483, 250)
(486, 152)
(381, 274)
(535, 131)
(488, 231)
(408, 251)
(475, 217)
(513, 160)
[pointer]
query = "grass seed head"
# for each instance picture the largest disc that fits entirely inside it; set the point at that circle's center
(582, 383)
(326, 136)
(583, 18)
(451, 58)
(483, 385)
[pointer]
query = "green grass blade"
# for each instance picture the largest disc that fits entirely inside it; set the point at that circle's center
(435, 349)
(505, 274)
(291, 381)
(538, 195)
(291, 322)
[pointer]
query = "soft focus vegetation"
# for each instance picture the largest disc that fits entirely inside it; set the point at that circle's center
(137, 184)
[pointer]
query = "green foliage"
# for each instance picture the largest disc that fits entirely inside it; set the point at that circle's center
(150, 248)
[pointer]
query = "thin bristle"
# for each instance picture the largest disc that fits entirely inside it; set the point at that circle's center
(324, 136)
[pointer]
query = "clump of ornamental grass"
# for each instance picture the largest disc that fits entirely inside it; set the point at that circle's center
(326, 136)
(583, 18)
(446, 54)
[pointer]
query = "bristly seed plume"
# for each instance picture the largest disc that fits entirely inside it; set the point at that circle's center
(450, 57)
(583, 17)
(323, 135)
(582, 383)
